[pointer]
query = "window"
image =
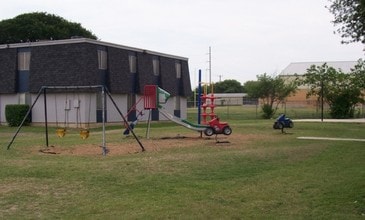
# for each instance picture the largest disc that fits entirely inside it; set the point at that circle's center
(156, 66)
(178, 70)
(24, 98)
(131, 101)
(23, 60)
(132, 63)
(177, 103)
(102, 59)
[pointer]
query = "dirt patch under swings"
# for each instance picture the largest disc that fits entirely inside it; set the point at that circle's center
(150, 145)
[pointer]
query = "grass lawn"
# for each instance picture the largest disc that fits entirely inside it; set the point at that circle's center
(260, 174)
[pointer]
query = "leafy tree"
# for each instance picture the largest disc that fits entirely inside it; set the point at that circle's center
(228, 86)
(39, 26)
(271, 90)
(349, 15)
(341, 91)
(359, 73)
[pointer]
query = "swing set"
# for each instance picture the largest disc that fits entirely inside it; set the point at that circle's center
(61, 130)
(84, 132)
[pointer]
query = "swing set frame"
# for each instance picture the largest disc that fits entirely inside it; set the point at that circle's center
(104, 91)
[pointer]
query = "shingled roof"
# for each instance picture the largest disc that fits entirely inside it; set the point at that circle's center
(300, 68)
(74, 62)
(91, 41)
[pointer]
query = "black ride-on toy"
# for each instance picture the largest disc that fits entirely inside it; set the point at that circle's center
(283, 122)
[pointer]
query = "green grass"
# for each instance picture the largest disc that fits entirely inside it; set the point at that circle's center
(262, 174)
(250, 112)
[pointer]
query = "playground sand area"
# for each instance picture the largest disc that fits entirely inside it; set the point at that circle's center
(151, 145)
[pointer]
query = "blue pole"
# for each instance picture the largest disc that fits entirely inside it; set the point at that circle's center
(199, 95)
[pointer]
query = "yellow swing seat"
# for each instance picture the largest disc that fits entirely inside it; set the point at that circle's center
(61, 132)
(84, 133)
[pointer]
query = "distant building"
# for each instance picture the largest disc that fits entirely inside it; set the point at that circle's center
(298, 69)
(224, 99)
(26, 67)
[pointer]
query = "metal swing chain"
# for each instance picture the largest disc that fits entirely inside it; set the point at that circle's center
(55, 100)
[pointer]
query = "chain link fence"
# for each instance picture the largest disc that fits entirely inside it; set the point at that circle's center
(251, 109)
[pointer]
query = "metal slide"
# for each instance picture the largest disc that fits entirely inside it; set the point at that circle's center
(182, 122)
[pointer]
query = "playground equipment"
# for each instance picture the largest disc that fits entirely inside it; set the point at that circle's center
(155, 97)
(133, 124)
(62, 130)
(84, 133)
(217, 127)
(206, 102)
(283, 122)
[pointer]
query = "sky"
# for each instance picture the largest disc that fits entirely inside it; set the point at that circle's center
(247, 38)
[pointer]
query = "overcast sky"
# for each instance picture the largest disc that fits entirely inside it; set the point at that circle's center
(247, 37)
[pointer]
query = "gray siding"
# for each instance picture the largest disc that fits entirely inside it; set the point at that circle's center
(8, 70)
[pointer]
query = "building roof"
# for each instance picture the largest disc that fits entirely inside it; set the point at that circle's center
(87, 40)
(228, 95)
(300, 68)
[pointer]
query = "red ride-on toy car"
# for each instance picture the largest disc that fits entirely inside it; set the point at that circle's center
(217, 127)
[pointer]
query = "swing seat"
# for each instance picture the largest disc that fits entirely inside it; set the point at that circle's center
(84, 133)
(61, 132)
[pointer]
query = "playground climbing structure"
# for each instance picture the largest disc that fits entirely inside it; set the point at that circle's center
(156, 98)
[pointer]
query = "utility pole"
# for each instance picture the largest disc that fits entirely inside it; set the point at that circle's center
(210, 65)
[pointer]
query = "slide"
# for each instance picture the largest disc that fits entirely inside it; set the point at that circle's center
(182, 122)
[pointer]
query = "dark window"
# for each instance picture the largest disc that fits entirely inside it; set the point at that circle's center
(131, 101)
(23, 69)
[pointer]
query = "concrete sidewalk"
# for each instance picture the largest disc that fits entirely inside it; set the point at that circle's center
(356, 120)
(331, 139)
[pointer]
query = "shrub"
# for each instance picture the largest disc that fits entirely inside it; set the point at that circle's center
(268, 112)
(14, 114)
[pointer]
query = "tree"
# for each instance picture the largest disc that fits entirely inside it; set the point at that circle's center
(228, 86)
(341, 91)
(349, 15)
(39, 26)
(271, 90)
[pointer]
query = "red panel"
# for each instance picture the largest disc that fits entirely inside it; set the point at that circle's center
(150, 96)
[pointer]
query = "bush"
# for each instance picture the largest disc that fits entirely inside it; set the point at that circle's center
(14, 115)
(268, 112)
